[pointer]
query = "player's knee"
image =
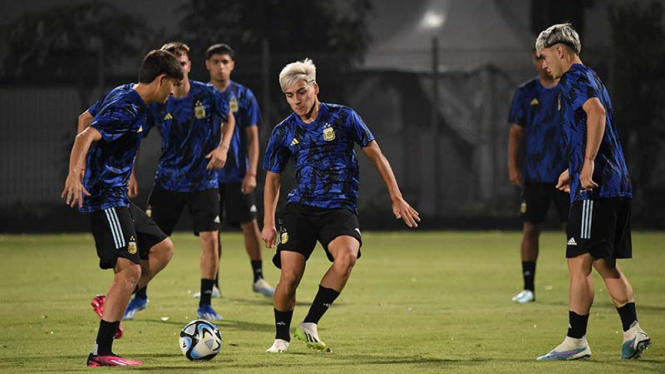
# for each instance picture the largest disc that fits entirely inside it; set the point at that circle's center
(531, 231)
(166, 249)
(209, 239)
(130, 275)
(346, 259)
(289, 281)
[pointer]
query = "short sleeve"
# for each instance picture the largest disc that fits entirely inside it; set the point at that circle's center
(113, 121)
(253, 113)
(581, 90)
(359, 130)
(152, 114)
(221, 104)
(517, 114)
(277, 152)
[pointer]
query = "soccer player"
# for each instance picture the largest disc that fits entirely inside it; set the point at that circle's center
(535, 129)
(194, 147)
(127, 240)
(237, 180)
(319, 138)
(598, 227)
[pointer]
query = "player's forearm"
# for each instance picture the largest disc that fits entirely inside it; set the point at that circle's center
(514, 141)
(383, 166)
(595, 127)
(270, 199)
(227, 132)
(79, 151)
(252, 151)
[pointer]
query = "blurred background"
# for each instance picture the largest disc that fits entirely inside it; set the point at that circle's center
(433, 79)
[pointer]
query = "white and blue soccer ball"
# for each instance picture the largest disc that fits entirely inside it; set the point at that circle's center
(200, 340)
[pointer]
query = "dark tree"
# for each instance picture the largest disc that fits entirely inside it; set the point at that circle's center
(638, 50)
(74, 44)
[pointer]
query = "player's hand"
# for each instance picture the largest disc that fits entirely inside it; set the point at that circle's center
(74, 190)
(133, 189)
(217, 158)
(564, 182)
(248, 184)
(269, 235)
(586, 178)
(402, 210)
(515, 176)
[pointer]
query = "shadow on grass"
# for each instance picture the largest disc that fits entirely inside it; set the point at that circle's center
(226, 324)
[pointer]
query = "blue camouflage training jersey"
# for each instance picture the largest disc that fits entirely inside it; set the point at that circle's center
(326, 166)
(534, 108)
(578, 85)
(190, 130)
(120, 117)
(246, 112)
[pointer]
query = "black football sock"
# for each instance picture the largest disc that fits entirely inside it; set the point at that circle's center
(206, 291)
(141, 293)
(529, 274)
(577, 325)
(283, 324)
(628, 315)
(257, 268)
(323, 300)
(104, 342)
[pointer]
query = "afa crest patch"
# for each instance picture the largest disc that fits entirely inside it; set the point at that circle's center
(328, 133)
(131, 247)
(199, 110)
(284, 237)
(233, 104)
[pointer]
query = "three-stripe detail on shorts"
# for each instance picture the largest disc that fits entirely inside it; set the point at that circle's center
(116, 229)
(587, 219)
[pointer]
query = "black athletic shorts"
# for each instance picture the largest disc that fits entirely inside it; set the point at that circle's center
(300, 226)
(536, 198)
(165, 207)
(123, 232)
(600, 228)
(235, 206)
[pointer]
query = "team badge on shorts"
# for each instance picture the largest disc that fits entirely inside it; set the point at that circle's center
(523, 207)
(233, 104)
(199, 110)
(284, 237)
(148, 211)
(328, 133)
(131, 247)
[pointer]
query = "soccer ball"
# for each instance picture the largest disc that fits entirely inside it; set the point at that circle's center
(200, 340)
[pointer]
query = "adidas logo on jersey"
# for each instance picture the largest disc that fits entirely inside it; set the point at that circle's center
(294, 142)
(572, 241)
(168, 117)
(534, 101)
(140, 129)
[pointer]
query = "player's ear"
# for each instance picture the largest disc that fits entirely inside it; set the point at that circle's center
(559, 51)
(316, 88)
(208, 65)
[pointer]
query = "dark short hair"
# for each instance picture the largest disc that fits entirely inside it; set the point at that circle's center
(219, 49)
(156, 63)
(177, 48)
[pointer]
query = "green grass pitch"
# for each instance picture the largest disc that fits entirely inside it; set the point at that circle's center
(432, 302)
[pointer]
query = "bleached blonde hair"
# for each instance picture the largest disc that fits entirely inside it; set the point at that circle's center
(297, 71)
(563, 33)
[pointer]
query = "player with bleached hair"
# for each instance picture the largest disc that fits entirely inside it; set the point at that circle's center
(598, 227)
(319, 138)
